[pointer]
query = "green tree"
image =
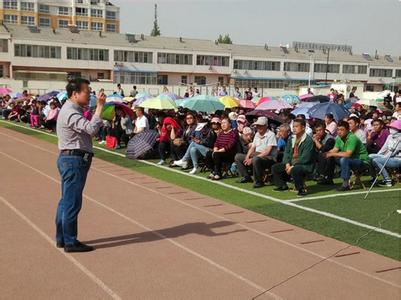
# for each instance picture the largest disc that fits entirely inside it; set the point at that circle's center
(226, 39)
(156, 28)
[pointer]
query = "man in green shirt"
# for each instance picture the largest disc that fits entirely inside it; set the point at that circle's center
(349, 153)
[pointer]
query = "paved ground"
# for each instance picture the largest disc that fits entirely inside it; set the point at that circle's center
(155, 240)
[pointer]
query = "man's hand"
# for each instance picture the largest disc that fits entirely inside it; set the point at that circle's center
(288, 168)
(247, 161)
(101, 99)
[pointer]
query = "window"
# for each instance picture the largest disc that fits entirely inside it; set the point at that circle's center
(133, 56)
(28, 6)
(331, 68)
(81, 11)
(209, 60)
(64, 11)
(135, 77)
(39, 51)
(10, 4)
(381, 73)
(44, 8)
(97, 26)
(27, 20)
(200, 80)
(11, 19)
(97, 13)
(296, 67)
(111, 28)
(270, 83)
(398, 73)
(362, 69)
(257, 65)
(3, 45)
(111, 15)
(63, 23)
(82, 25)
(162, 79)
(44, 22)
(94, 2)
(87, 54)
(1, 72)
(174, 59)
(184, 79)
(349, 69)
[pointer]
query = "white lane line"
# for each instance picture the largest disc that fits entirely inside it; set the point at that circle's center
(88, 273)
(284, 202)
(182, 247)
(342, 195)
(227, 219)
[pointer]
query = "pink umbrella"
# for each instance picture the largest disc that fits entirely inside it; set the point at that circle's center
(247, 104)
(273, 105)
(263, 99)
(306, 96)
(5, 90)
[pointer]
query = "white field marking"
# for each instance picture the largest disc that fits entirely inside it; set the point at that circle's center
(220, 217)
(182, 247)
(341, 195)
(284, 202)
(88, 273)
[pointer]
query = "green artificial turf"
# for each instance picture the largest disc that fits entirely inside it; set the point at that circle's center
(369, 211)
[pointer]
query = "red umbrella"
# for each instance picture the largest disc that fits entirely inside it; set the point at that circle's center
(263, 99)
(248, 104)
(306, 96)
(356, 106)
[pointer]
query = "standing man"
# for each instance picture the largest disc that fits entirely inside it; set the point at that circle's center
(75, 135)
(134, 92)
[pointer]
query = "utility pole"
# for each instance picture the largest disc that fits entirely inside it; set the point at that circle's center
(327, 63)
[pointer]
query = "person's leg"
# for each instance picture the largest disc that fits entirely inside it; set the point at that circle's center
(241, 168)
(194, 154)
(163, 149)
(73, 171)
(187, 154)
(298, 174)
(259, 167)
(218, 162)
(280, 176)
(32, 121)
(392, 163)
(345, 169)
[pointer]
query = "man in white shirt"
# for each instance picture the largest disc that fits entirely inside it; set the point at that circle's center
(141, 122)
(261, 154)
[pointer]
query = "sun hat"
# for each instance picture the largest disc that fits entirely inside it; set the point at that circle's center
(261, 121)
(247, 130)
(233, 116)
(396, 124)
(241, 118)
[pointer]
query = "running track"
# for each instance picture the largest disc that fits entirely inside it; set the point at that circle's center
(155, 240)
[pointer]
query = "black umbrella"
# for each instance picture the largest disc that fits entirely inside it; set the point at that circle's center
(141, 143)
(319, 98)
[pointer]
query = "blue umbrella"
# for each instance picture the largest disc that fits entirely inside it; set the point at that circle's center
(301, 111)
(16, 95)
(170, 95)
(320, 110)
(114, 98)
(62, 96)
(203, 103)
(48, 96)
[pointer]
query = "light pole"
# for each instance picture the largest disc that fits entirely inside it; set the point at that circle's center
(327, 63)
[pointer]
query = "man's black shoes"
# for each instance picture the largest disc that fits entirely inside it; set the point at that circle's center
(344, 188)
(281, 189)
(78, 247)
(302, 193)
(245, 180)
(258, 185)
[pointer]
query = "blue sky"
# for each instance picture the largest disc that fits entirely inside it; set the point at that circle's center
(367, 25)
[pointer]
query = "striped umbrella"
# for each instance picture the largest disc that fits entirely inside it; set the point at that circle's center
(114, 98)
(263, 99)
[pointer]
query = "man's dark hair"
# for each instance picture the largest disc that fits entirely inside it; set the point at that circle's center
(343, 124)
(134, 86)
(300, 121)
(330, 116)
(355, 119)
(320, 125)
(75, 85)
(301, 116)
(378, 121)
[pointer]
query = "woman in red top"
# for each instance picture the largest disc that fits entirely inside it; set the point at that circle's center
(168, 132)
(224, 149)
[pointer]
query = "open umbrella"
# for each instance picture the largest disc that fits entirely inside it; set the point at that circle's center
(141, 97)
(290, 99)
(141, 143)
(16, 95)
(5, 90)
(128, 99)
(170, 95)
(320, 110)
(48, 96)
(202, 103)
(62, 96)
(114, 98)
(109, 110)
(255, 99)
(305, 97)
(319, 98)
(247, 104)
(263, 99)
(265, 113)
(159, 103)
(229, 102)
(273, 105)
(301, 111)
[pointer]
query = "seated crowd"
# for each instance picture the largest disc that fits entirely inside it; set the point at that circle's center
(258, 150)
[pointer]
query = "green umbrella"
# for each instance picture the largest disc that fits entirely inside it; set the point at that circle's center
(203, 103)
(159, 103)
(108, 112)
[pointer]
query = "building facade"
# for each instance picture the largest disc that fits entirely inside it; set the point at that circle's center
(86, 15)
(41, 53)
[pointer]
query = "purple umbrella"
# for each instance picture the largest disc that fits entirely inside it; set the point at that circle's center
(273, 105)
(48, 96)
